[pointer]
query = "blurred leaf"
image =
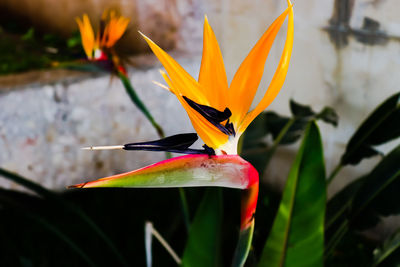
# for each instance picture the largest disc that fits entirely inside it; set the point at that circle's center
(339, 205)
(296, 238)
(302, 115)
(74, 40)
(354, 250)
(15, 201)
(120, 213)
(52, 40)
(29, 35)
(139, 103)
(389, 254)
(37, 188)
(64, 204)
(22, 48)
(26, 262)
(328, 115)
(361, 204)
(381, 126)
(379, 193)
(337, 215)
(258, 157)
(85, 65)
(255, 150)
(300, 111)
(202, 248)
(284, 130)
(276, 123)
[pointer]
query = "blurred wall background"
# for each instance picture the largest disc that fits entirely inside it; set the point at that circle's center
(346, 54)
(160, 18)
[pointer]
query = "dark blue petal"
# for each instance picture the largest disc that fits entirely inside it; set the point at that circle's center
(179, 143)
(214, 116)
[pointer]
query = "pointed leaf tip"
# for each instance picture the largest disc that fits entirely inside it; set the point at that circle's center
(297, 235)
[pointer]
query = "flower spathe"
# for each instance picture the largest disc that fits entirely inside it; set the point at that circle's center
(113, 27)
(101, 55)
(223, 171)
(212, 88)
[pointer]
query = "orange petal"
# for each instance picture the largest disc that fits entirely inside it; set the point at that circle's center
(246, 80)
(87, 35)
(212, 75)
(184, 83)
(279, 76)
(117, 27)
(210, 134)
(105, 36)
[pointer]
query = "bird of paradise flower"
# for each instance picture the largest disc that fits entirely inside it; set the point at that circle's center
(100, 46)
(219, 114)
(99, 49)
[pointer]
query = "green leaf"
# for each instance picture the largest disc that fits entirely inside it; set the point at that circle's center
(13, 200)
(340, 204)
(299, 110)
(302, 114)
(29, 35)
(327, 114)
(83, 65)
(381, 126)
(337, 213)
(297, 235)
(361, 204)
(74, 40)
(389, 254)
(254, 149)
(203, 245)
(243, 246)
(276, 124)
(379, 193)
(63, 203)
(284, 130)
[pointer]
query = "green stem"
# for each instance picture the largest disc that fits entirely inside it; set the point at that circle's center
(283, 132)
(336, 239)
(243, 247)
(136, 100)
(66, 204)
(185, 208)
(240, 144)
(278, 139)
(334, 173)
(139, 104)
